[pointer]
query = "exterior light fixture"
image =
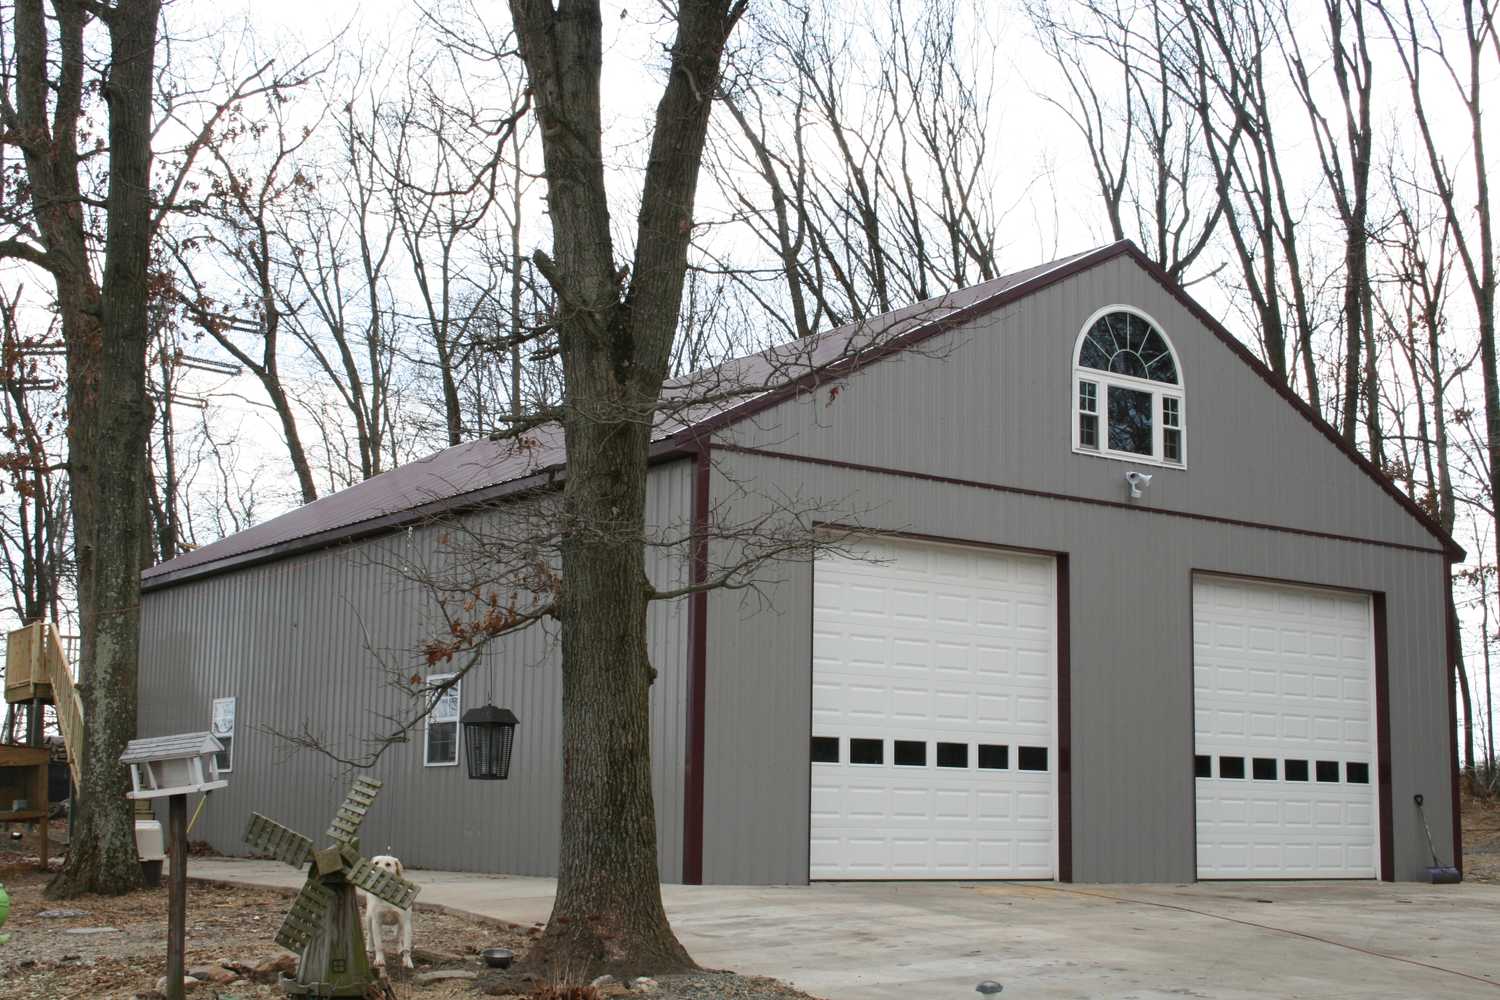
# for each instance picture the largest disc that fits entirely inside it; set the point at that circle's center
(489, 735)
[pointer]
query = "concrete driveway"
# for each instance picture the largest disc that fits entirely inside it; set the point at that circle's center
(935, 940)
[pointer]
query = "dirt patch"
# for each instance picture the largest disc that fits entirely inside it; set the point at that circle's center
(1481, 839)
(73, 955)
(114, 948)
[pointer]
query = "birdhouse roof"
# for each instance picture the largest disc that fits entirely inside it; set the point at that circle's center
(170, 747)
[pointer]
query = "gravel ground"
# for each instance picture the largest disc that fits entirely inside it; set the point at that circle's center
(726, 986)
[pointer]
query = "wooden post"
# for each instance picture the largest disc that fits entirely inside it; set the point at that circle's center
(177, 895)
(39, 800)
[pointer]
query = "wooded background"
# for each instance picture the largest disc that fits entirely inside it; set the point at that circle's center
(341, 276)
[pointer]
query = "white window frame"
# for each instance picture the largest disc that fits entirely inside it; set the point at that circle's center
(227, 757)
(1102, 380)
(433, 717)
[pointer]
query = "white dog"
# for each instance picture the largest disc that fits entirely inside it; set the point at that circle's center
(378, 913)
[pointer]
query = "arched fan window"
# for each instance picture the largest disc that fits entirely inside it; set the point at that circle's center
(1128, 401)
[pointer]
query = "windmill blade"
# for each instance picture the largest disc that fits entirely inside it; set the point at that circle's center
(383, 884)
(306, 917)
(345, 825)
(276, 840)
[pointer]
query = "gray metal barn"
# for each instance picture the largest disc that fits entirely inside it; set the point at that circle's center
(1023, 672)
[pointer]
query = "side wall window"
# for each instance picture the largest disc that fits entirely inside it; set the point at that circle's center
(441, 744)
(222, 727)
(1127, 392)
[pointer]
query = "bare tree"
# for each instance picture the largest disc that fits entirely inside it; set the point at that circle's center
(227, 281)
(1417, 36)
(1344, 153)
(1416, 319)
(1144, 142)
(34, 523)
(105, 330)
(875, 194)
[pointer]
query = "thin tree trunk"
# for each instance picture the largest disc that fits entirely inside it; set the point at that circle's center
(1462, 677)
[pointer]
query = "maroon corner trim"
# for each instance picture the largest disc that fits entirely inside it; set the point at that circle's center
(1383, 739)
(1453, 775)
(1064, 721)
(692, 794)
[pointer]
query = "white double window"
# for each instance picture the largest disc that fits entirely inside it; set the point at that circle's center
(1127, 393)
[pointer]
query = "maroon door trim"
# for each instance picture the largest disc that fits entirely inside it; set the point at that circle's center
(1383, 739)
(1064, 720)
(692, 792)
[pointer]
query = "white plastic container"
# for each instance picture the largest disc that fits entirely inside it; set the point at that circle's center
(149, 842)
(152, 848)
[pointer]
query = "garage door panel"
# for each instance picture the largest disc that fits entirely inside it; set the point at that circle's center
(970, 664)
(1299, 704)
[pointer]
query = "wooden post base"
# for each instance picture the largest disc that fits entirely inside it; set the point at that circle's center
(177, 896)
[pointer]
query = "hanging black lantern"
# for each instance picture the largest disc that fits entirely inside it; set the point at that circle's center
(489, 734)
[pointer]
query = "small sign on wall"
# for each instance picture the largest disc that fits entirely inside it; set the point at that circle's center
(222, 727)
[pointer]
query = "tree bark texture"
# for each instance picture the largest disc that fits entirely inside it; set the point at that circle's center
(616, 332)
(102, 855)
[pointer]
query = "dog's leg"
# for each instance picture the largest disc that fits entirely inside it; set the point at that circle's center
(407, 919)
(375, 945)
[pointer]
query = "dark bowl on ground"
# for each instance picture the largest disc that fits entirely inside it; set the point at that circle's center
(497, 958)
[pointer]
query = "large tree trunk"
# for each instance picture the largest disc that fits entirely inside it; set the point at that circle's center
(102, 854)
(616, 340)
(609, 911)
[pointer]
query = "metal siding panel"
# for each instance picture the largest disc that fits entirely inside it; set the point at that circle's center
(297, 641)
(1131, 668)
(992, 401)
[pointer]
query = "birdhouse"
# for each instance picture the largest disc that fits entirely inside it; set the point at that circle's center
(173, 765)
(489, 735)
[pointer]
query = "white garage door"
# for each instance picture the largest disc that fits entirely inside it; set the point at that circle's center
(933, 719)
(1284, 693)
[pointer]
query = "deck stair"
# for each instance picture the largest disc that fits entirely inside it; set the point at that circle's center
(37, 672)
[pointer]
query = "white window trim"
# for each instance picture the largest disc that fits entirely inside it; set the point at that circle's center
(432, 682)
(233, 721)
(1103, 380)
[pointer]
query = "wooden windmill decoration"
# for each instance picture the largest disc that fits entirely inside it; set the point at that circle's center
(323, 925)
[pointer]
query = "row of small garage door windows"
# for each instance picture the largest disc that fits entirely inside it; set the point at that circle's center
(913, 753)
(1268, 768)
